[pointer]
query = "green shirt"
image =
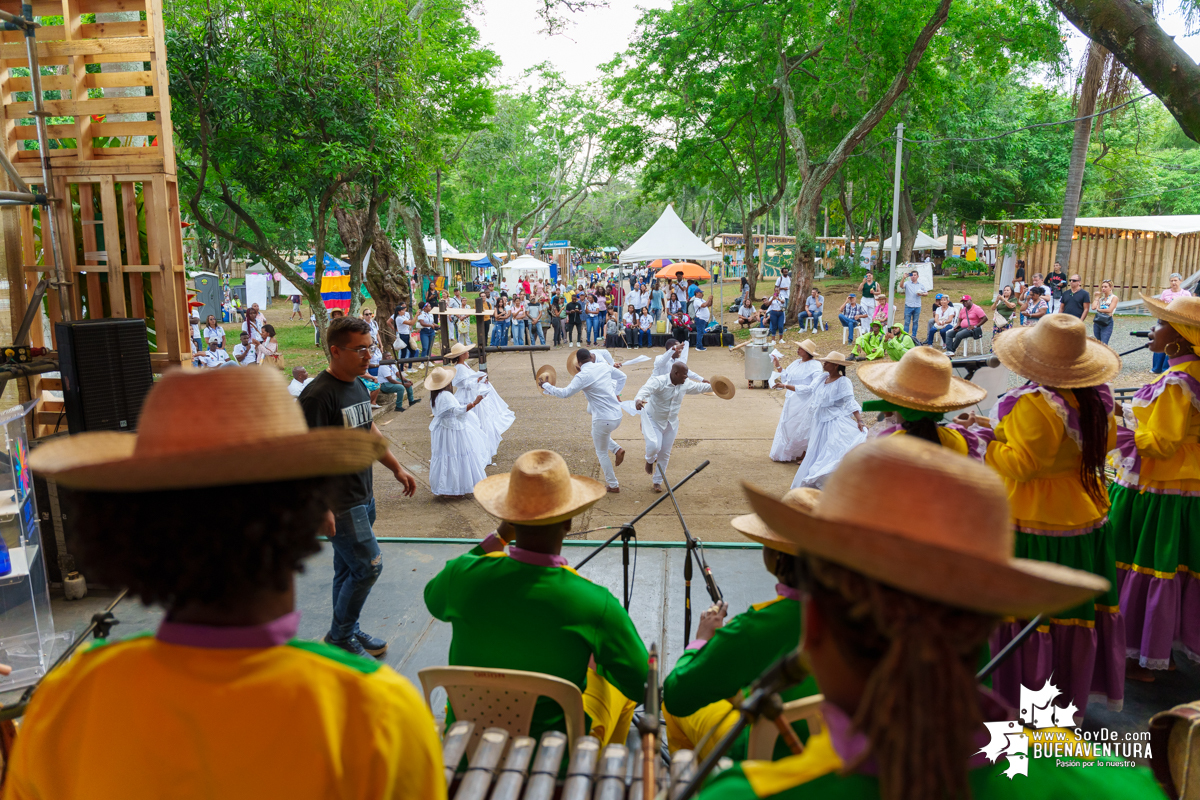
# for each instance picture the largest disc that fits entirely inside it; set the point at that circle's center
(868, 346)
(509, 614)
(897, 346)
(733, 659)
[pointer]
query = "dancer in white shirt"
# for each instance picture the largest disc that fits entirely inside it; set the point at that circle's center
(798, 380)
(676, 351)
(494, 415)
(837, 424)
(595, 379)
(458, 445)
(659, 401)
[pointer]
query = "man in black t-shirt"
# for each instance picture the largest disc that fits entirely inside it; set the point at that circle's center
(337, 398)
(574, 310)
(1076, 301)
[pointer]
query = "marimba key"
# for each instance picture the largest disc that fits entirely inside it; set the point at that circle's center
(454, 744)
(478, 778)
(683, 767)
(544, 775)
(582, 769)
(511, 777)
(610, 781)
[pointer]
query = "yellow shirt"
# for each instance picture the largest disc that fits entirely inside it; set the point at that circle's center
(143, 718)
(1168, 438)
(951, 439)
(1039, 464)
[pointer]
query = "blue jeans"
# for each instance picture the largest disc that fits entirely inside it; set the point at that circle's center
(426, 341)
(847, 322)
(1160, 363)
(816, 318)
(776, 325)
(943, 331)
(594, 329)
(357, 564)
(519, 331)
(1103, 332)
(912, 316)
(655, 313)
(537, 334)
(404, 348)
(700, 326)
(643, 338)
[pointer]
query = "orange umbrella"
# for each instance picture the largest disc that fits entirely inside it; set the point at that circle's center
(689, 270)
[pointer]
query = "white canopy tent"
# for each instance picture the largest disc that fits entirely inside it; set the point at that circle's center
(924, 242)
(525, 265)
(669, 238)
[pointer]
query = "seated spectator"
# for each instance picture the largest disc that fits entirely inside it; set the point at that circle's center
(970, 324)
(300, 379)
(681, 326)
(1006, 305)
(644, 322)
(897, 342)
(614, 335)
(1035, 305)
(245, 353)
(748, 317)
(214, 356)
(870, 345)
(392, 382)
(851, 315)
(222, 697)
(268, 348)
(814, 307)
(944, 316)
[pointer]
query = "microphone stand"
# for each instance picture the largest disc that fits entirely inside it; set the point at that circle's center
(695, 550)
(1134, 350)
(627, 532)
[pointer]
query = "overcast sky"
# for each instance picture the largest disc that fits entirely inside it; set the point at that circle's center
(511, 28)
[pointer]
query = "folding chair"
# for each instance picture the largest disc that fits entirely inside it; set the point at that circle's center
(763, 733)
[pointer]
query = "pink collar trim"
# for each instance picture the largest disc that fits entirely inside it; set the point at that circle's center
(787, 592)
(1175, 362)
(536, 559)
(221, 637)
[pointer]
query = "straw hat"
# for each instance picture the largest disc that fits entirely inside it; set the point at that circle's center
(752, 527)
(921, 379)
(1182, 310)
(809, 346)
(439, 378)
(549, 373)
(172, 450)
(886, 535)
(539, 491)
(457, 350)
(835, 358)
(722, 387)
(573, 363)
(1057, 352)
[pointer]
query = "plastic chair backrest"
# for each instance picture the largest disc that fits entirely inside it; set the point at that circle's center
(493, 698)
(763, 733)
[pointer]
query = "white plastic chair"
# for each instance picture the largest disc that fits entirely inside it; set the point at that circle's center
(493, 698)
(763, 733)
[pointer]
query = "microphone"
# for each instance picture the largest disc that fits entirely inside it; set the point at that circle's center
(1140, 334)
(975, 362)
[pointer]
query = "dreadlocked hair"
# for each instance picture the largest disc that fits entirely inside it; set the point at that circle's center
(784, 566)
(923, 428)
(1093, 425)
(919, 709)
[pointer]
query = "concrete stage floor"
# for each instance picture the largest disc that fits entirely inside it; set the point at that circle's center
(396, 612)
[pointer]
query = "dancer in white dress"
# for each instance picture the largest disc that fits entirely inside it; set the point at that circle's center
(658, 403)
(494, 415)
(798, 381)
(459, 448)
(837, 425)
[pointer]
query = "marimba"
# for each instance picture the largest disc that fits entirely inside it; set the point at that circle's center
(504, 767)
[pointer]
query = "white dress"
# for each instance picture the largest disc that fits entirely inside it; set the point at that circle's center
(795, 421)
(834, 432)
(494, 415)
(458, 456)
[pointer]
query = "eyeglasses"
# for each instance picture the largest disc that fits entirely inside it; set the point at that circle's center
(1074, 280)
(362, 351)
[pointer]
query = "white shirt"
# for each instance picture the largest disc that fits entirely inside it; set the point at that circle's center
(216, 334)
(776, 303)
(196, 331)
(595, 380)
(240, 348)
(254, 330)
(403, 322)
(644, 322)
(454, 302)
(425, 317)
(663, 398)
(662, 364)
(783, 283)
(213, 358)
(296, 387)
(702, 313)
(386, 371)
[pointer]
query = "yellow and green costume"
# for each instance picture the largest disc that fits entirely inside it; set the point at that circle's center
(869, 346)
(900, 343)
(950, 435)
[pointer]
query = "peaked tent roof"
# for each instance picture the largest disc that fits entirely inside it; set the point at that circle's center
(924, 242)
(669, 238)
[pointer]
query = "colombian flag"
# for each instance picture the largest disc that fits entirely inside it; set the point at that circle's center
(335, 291)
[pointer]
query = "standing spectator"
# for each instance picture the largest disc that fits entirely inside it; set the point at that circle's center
(913, 292)
(645, 320)
(555, 314)
(702, 315)
(851, 315)
(1006, 307)
(369, 317)
(1035, 305)
(574, 311)
(1019, 275)
(402, 325)
(944, 317)
(214, 332)
(1057, 281)
(501, 320)
(462, 324)
(1075, 300)
(245, 352)
(783, 284)
(300, 380)
(338, 399)
(520, 319)
(594, 319)
(1106, 304)
(197, 334)
(1161, 362)
(814, 307)
(656, 301)
(428, 326)
(268, 348)
(970, 324)
(774, 306)
(534, 312)
(869, 292)
(295, 300)
(253, 324)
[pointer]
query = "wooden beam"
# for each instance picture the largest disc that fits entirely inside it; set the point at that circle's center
(68, 108)
(112, 247)
(133, 249)
(82, 47)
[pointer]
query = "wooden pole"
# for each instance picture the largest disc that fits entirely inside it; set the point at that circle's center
(480, 336)
(444, 324)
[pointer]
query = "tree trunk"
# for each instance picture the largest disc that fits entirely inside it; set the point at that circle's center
(386, 277)
(750, 261)
(1127, 29)
(411, 216)
(1093, 72)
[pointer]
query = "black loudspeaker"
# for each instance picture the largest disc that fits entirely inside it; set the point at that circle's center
(105, 366)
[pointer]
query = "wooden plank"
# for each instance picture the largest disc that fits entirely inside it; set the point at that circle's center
(77, 70)
(133, 249)
(158, 237)
(127, 167)
(149, 128)
(83, 47)
(68, 108)
(37, 336)
(65, 220)
(162, 81)
(112, 244)
(93, 80)
(87, 213)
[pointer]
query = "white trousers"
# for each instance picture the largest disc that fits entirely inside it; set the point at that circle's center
(658, 447)
(602, 437)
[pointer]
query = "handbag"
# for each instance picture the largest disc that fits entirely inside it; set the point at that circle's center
(1103, 320)
(999, 321)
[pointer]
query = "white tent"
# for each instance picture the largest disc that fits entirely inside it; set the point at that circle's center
(924, 242)
(523, 266)
(669, 238)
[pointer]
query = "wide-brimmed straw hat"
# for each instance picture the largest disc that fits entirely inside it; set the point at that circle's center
(573, 362)
(457, 350)
(809, 346)
(1182, 310)
(540, 490)
(886, 535)
(439, 378)
(752, 527)
(922, 379)
(835, 358)
(549, 373)
(722, 387)
(194, 426)
(1057, 352)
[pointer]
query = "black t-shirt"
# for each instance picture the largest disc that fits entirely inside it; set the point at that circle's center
(330, 403)
(1072, 302)
(574, 311)
(1057, 281)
